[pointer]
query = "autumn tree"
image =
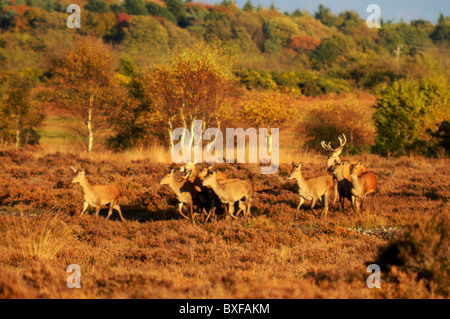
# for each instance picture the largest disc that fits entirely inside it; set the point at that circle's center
(304, 43)
(83, 82)
(19, 112)
(194, 85)
(267, 109)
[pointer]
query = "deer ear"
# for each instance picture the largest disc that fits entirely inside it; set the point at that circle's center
(73, 169)
(300, 165)
(358, 164)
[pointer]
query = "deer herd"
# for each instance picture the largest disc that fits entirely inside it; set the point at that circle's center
(213, 194)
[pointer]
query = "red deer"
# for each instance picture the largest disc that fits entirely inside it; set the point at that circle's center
(312, 189)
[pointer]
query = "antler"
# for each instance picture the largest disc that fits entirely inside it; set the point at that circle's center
(342, 142)
(327, 146)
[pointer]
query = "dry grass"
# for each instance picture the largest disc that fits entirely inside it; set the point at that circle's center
(156, 254)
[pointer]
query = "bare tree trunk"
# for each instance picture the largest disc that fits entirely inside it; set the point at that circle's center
(89, 125)
(269, 142)
(18, 131)
(172, 145)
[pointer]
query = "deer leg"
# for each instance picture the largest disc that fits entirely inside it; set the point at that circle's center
(97, 210)
(354, 203)
(242, 205)
(231, 210)
(191, 210)
(374, 203)
(313, 203)
(85, 206)
(302, 200)
(336, 193)
(180, 210)
(117, 207)
(362, 203)
(111, 205)
(325, 199)
(249, 206)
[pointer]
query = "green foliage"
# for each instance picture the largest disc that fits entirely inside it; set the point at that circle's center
(325, 15)
(145, 33)
(405, 111)
(98, 6)
(155, 9)
(441, 33)
(178, 10)
(135, 7)
(248, 6)
(330, 49)
(294, 82)
(280, 30)
(349, 19)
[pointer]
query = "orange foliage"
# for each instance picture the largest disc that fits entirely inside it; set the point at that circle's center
(206, 6)
(304, 43)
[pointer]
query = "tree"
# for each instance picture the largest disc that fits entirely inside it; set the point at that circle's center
(178, 9)
(443, 137)
(98, 6)
(325, 16)
(330, 49)
(83, 82)
(441, 33)
(304, 44)
(267, 109)
(19, 113)
(248, 6)
(135, 7)
(406, 111)
(194, 85)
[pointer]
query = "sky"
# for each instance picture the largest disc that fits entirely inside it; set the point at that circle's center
(390, 9)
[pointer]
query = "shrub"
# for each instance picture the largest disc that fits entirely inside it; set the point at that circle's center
(325, 122)
(41, 237)
(405, 111)
(423, 248)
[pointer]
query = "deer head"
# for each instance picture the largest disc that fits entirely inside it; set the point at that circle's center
(333, 158)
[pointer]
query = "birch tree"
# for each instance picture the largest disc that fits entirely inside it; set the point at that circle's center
(83, 82)
(195, 84)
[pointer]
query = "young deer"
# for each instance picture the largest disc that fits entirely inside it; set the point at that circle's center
(344, 186)
(313, 189)
(196, 178)
(187, 193)
(209, 170)
(98, 195)
(362, 185)
(230, 192)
